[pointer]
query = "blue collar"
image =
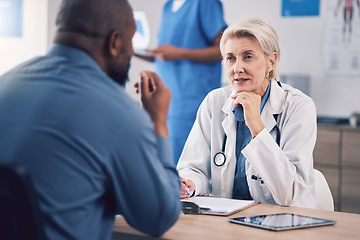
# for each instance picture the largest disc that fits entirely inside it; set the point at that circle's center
(265, 97)
(73, 53)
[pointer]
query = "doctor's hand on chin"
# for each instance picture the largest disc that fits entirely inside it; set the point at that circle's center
(250, 102)
(187, 188)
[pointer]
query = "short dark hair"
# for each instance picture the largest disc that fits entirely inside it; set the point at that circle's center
(93, 18)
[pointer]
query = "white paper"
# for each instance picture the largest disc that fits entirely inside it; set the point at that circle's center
(221, 205)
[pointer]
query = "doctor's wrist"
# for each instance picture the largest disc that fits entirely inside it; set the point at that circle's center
(254, 133)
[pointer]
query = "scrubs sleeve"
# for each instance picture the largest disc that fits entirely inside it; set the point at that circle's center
(211, 18)
(145, 183)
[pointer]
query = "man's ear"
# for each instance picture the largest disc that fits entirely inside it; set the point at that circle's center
(114, 44)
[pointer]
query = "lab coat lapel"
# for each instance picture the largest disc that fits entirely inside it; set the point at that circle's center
(225, 173)
(229, 123)
(274, 106)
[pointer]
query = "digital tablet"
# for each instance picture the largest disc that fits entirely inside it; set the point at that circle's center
(281, 221)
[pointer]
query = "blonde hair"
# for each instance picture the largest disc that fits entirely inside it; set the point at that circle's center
(262, 31)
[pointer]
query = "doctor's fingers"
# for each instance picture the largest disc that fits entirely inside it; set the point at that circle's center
(190, 184)
(246, 99)
(186, 193)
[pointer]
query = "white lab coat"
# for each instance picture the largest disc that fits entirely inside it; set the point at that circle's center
(284, 172)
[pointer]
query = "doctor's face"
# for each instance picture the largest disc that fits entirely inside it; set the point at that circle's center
(246, 65)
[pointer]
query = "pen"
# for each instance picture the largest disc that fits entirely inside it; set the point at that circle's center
(186, 189)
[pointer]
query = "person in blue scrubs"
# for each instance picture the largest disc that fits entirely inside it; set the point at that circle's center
(90, 149)
(188, 60)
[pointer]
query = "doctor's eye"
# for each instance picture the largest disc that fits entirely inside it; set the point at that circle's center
(230, 58)
(248, 56)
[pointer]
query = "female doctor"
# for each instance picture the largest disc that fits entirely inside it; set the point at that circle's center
(255, 138)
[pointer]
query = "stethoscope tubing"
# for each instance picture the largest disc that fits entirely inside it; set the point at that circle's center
(220, 158)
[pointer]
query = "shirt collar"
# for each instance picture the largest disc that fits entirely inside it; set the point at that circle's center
(274, 105)
(265, 97)
(75, 54)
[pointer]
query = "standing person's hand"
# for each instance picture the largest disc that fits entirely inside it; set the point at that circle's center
(166, 52)
(155, 97)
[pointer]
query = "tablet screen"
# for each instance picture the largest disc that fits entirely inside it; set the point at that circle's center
(281, 221)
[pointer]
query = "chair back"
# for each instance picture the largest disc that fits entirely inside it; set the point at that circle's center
(323, 193)
(20, 216)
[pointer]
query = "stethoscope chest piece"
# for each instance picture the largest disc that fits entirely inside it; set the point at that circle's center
(219, 159)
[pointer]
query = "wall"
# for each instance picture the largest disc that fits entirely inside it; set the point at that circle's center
(53, 9)
(153, 11)
(34, 38)
(301, 42)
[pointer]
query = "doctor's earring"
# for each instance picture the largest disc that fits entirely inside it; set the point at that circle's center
(267, 75)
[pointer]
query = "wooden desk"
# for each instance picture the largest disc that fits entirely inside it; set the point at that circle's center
(216, 227)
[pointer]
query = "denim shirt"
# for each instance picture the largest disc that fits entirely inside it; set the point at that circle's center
(243, 137)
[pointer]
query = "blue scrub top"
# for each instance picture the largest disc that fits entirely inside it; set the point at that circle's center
(193, 26)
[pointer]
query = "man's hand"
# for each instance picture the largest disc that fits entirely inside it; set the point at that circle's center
(155, 97)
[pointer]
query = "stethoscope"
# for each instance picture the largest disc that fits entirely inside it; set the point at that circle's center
(220, 158)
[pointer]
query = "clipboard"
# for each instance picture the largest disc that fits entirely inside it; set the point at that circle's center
(215, 205)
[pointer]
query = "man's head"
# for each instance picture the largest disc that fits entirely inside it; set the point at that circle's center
(104, 29)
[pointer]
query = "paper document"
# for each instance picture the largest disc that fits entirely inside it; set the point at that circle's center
(142, 53)
(217, 206)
